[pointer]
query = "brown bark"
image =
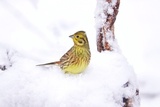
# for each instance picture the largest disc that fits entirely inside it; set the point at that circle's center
(108, 26)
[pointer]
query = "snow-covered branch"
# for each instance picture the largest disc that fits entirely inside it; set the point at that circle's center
(106, 12)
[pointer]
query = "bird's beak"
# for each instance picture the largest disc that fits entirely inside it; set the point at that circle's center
(71, 36)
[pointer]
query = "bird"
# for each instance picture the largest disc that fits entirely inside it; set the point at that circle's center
(77, 58)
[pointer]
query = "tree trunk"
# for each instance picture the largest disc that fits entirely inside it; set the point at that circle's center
(106, 12)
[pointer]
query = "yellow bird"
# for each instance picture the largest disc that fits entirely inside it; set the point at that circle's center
(77, 58)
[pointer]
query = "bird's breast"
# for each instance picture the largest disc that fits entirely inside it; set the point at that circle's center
(79, 61)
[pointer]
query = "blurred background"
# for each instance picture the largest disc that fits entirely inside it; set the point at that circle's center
(35, 22)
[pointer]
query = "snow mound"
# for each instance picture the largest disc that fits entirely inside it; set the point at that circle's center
(101, 85)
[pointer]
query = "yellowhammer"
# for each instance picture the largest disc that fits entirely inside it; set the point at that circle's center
(78, 57)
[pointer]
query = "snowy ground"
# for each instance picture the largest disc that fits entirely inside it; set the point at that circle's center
(33, 31)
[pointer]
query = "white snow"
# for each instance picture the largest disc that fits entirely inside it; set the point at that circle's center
(102, 9)
(100, 17)
(37, 31)
(25, 85)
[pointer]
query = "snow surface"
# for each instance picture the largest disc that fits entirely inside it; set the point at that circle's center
(36, 31)
(25, 85)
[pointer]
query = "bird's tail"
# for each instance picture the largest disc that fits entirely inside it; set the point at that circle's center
(51, 63)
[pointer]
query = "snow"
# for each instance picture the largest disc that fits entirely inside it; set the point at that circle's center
(100, 17)
(25, 85)
(102, 8)
(36, 31)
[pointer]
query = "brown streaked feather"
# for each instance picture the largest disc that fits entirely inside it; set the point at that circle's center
(65, 59)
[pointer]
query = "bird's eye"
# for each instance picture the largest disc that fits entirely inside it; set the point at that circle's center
(77, 36)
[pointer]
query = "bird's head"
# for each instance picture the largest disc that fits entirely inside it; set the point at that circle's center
(80, 38)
